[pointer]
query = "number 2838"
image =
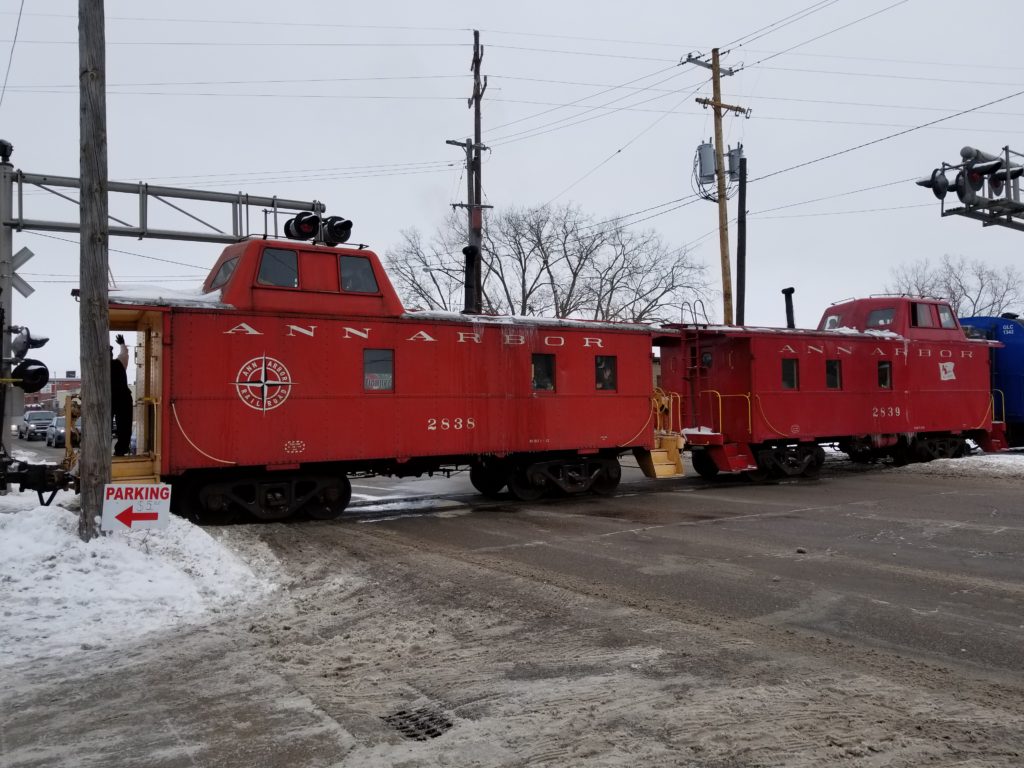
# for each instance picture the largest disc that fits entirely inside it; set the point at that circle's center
(443, 425)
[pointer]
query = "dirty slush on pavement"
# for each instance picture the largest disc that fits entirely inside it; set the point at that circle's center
(383, 654)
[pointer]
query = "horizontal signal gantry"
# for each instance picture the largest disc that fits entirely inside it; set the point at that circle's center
(987, 185)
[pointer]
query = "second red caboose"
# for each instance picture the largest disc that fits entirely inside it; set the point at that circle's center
(881, 377)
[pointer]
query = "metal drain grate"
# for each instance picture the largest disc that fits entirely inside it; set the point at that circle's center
(419, 724)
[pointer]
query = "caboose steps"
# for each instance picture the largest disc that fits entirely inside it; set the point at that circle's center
(134, 469)
(665, 459)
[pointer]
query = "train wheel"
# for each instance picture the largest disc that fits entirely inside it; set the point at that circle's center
(521, 487)
(816, 456)
(488, 479)
(759, 475)
(331, 501)
(204, 509)
(901, 454)
(608, 480)
(703, 464)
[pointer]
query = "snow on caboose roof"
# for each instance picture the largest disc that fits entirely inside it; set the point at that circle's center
(161, 296)
(547, 322)
(843, 330)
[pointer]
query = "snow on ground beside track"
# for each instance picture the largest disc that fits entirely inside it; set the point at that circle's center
(59, 594)
(1004, 465)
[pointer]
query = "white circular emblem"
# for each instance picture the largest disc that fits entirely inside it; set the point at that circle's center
(263, 383)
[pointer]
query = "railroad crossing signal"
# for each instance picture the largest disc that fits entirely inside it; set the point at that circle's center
(19, 283)
(987, 185)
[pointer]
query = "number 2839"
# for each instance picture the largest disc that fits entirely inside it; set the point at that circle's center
(885, 410)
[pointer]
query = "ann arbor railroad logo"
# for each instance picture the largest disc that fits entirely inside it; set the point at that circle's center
(263, 383)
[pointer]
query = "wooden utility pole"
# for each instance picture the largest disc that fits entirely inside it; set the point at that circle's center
(723, 210)
(741, 246)
(476, 216)
(94, 320)
(473, 286)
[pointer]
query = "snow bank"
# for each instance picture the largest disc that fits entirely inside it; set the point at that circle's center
(1005, 465)
(59, 594)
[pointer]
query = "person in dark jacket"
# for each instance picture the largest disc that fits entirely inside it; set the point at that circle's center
(121, 397)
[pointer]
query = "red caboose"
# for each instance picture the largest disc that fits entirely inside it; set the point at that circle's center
(888, 376)
(297, 366)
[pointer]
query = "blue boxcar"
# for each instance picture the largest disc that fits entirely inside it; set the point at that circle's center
(1007, 368)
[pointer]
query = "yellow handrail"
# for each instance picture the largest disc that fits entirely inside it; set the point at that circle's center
(1002, 400)
(720, 396)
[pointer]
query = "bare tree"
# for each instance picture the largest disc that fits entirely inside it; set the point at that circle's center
(552, 261)
(973, 288)
(426, 275)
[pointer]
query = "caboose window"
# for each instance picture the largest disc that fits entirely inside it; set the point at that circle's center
(357, 275)
(606, 374)
(379, 370)
(830, 322)
(946, 319)
(834, 374)
(224, 273)
(279, 267)
(790, 373)
(880, 318)
(921, 316)
(884, 374)
(542, 374)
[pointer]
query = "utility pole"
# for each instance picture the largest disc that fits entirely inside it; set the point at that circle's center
(6, 278)
(474, 190)
(94, 332)
(723, 211)
(741, 246)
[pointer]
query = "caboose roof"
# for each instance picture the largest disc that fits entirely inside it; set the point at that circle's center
(161, 296)
(545, 322)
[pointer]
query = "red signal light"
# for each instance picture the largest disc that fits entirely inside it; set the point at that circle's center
(303, 227)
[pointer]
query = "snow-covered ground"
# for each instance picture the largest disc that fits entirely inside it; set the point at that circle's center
(1005, 465)
(59, 594)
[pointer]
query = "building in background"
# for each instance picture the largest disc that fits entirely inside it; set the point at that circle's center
(52, 396)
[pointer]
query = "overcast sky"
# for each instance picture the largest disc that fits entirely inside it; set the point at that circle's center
(351, 104)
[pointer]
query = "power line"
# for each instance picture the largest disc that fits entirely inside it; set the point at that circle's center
(608, 89)
(626, 145)
(833, 197)
(511, 33)
(248, 22)
(115, 250)
(246, 44)
(10, 59)
(845, 213)
(554, 126)
(887, 76)
(303, 80)
(830, 32)
(886, 138)
(777, 25)
(862, 104)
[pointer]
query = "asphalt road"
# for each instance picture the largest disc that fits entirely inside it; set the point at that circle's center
(873, 617)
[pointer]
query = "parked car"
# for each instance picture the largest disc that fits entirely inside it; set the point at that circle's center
(34, 424)
(56, 433)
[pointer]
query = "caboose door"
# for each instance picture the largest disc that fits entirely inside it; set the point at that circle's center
(143, 464)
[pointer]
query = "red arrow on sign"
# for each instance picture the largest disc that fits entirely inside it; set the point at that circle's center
(128, 516)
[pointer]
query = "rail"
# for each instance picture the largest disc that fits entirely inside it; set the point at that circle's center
(667, 406)
(1002, 404)
(720, 397)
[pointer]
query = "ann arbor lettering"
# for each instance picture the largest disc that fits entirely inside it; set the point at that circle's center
(895, 351)
(508, 338)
